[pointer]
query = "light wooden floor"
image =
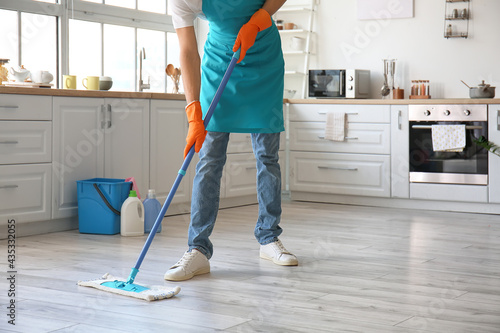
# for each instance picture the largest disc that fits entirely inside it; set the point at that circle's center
(362, 269)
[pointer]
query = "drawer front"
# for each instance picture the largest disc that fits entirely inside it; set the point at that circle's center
(240, 175)
(351, 174)
(360, 138)
(355, 113)
(25, 142)
(242, 142)
(25, 192)
(25, 107)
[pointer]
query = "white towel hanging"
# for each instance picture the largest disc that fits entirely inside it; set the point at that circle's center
(335, 126)
(450, 138)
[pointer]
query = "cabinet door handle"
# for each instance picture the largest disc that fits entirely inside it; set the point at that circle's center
(9, 142)
(347, 137)
(8, 186)
(337, 168)
(400, 120)
(103, 117)
(109, 115)
(251, 168)
(9, 107)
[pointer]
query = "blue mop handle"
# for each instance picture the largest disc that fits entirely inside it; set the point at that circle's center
(182, 171)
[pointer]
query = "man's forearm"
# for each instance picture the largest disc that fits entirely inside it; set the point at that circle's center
(191, 76)
(190, 63)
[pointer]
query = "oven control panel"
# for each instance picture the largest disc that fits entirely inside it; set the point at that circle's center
(449, 112)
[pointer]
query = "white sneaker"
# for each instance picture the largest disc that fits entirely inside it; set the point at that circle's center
(191, 264)
(277, 253)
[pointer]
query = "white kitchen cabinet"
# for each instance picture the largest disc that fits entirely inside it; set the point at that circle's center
(78, 150)
(359, 165)
(494, 160)
(334, 173)
(373, 138)
(400, 165)
(25, 158)
(25, 192)
(168, 133)
(240, 175)
(95, 137)
(25, 107)
(126, 144)
(25, 142)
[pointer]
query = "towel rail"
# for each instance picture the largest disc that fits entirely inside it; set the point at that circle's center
(430, 127)
(347, 113)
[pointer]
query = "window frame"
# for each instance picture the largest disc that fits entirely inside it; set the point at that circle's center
(65, 10)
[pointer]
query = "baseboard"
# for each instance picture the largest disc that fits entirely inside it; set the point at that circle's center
(462, 207)
(41, 227)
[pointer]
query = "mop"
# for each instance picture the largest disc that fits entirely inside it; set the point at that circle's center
(119, 286)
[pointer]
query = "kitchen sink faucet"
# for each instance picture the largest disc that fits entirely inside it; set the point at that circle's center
(142, 85)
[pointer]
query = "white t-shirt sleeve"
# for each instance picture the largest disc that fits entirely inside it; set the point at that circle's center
(184, 12)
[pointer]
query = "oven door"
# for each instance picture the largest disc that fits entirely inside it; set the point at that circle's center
(469, 166)
(327, 83)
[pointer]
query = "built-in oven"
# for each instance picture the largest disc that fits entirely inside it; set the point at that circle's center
(467, 164)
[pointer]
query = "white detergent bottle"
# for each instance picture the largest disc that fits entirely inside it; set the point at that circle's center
(132, 216)
(152, 208)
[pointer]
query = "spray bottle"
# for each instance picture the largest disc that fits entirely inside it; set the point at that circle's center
(152, 208)
(132, 216)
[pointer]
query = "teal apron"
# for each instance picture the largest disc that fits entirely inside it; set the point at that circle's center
(253, 99)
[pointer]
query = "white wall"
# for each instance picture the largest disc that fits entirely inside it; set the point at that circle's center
(417, 43)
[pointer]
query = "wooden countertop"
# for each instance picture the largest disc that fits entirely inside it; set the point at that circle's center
(181, 97)
(89, 93)
(394, 101)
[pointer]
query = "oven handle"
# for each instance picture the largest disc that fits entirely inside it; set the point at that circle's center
(430, 127)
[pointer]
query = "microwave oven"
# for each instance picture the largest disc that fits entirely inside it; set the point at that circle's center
(339, 83)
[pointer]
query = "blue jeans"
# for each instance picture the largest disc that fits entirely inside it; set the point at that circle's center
(206, 189)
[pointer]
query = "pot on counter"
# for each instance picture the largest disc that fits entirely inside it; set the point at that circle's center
(483, 90)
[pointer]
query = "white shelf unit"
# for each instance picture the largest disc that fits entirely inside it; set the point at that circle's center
(297, 61)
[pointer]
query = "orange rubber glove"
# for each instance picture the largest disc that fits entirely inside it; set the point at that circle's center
(259, 21)
(196, 132)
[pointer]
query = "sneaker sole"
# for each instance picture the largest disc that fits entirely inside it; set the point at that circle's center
(277, 262)
(187, 277)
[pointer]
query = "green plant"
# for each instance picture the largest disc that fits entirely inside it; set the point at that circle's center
(490, 146)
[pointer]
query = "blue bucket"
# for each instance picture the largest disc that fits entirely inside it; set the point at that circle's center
(99, 203)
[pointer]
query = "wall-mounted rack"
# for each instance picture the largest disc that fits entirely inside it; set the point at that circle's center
(456, 19)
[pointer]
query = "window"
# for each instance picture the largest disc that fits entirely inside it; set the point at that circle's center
(91, 37)
(39, 42)
(119, 56)
(85, 54)
(121, 3)
(34, 46)
(154, 65)
(9, 38)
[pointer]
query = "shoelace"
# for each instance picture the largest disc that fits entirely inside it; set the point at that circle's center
(186, 258)
(281, 248)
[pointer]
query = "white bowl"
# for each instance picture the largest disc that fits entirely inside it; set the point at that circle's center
(105, 83)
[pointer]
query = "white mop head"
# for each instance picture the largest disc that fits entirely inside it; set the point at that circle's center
(153, 293)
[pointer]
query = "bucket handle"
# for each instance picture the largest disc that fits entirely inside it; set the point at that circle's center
(117, 212)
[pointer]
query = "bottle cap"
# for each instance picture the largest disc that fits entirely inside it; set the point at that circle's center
(132, 193)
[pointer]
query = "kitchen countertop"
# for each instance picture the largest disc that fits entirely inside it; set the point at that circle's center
(181, 97)
(89, 93)
(395, 101)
